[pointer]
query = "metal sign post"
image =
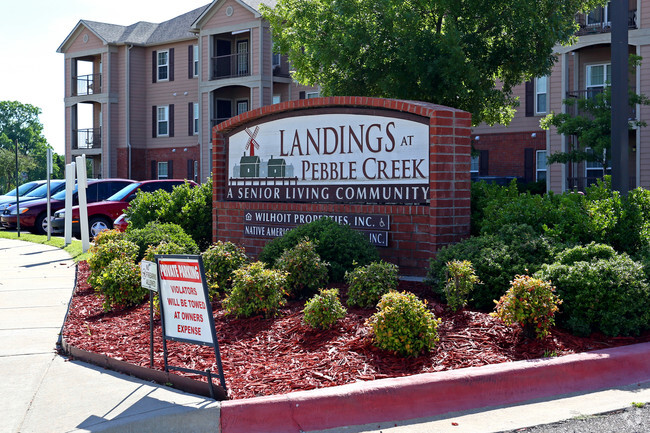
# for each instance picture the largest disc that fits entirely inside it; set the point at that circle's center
(185, 309)
(149, 280)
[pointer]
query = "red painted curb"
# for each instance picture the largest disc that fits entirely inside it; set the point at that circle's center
(430, 394)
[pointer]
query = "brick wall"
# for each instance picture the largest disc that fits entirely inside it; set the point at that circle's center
(141, 161)
(506, 151)
(417, 231)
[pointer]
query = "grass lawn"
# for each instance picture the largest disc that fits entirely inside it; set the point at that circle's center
(74, 249)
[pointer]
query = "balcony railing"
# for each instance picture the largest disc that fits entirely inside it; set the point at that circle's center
(594, 22)
(89, 138)
(87, 85)
(573, 110)
(232, 65)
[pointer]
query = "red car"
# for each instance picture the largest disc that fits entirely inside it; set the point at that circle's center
(33, 214)
(102, 214)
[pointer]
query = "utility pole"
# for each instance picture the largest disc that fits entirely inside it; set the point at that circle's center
(619, 103)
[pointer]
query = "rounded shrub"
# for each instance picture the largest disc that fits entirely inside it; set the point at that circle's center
(220, 261)
(530, 302)
(256, 290)
(461, 279)
(496, 258)
(337, 244)
(324, 309)
(403, 324)
(163, 248)
(610, 295)
(155, 233)
(107, 235)
(367, 284)
(306, 272)
(103, 254)
(119, 284)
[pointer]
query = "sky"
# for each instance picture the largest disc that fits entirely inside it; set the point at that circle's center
(31, 71)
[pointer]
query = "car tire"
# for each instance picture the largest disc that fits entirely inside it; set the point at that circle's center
(97, 224)
(40, 224)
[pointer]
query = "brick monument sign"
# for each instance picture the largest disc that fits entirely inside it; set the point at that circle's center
(398, 171)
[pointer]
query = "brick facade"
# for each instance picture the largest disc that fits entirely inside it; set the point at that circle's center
(417, 231)
(506, 153)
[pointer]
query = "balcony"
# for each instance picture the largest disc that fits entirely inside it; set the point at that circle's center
(598, 21)
(89, 138)
(573, 110)
(231, 66)
(84, 85)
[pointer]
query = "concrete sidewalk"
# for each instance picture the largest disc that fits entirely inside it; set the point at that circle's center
(43, 392)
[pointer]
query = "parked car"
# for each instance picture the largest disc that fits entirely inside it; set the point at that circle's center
(22, 189)
(33, 214)
(40, 192)
(102, 214)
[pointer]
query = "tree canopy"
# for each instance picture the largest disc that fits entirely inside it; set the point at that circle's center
(466, 54)
(19, 123)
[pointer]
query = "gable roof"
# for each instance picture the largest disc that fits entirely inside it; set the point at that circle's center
(141, 33)
(252, 5)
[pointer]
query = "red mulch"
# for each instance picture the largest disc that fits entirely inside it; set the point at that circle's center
(275, 356)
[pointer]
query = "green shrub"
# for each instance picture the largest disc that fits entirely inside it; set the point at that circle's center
(367, 284)
(119, 284)
(610, 295)
(324, 309)
(107, 235)
(461, 279)
(496, 258)
(403, 324)
(306, 272)
(155, 233)
(338, 245)
(587, 253)
(189, 207)
(163, 248)
(256, 290)
(531, 303)
(103, 254)
(219, 262)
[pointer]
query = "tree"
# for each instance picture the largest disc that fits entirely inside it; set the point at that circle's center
(8, 168)
(465, 54)
(591, 126)
(19, 123)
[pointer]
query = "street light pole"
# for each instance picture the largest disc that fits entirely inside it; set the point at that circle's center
(619, 101)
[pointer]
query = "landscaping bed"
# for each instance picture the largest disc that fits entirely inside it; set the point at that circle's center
(280, 355)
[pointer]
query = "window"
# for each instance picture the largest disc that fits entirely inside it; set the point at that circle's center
(163, 170)
(163, 121)
(540, 166)
(277, 99)
(594, 169)
(312, 95)
(474, 165)
(242, 58)
(163, 65)
(196, 60)
(599, 16)
(242, 106)
(540, 95)
(196, 118)
(276, 59)
(598, 77)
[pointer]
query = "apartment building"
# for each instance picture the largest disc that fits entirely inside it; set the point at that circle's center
(581, 70)
(141, 100)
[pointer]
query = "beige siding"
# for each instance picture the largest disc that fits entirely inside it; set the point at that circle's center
(644, 113)
(93, 43)
(219, 17)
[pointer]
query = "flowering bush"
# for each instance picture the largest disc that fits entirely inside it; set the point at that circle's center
(529, 302)
(403, 324)
(323, 310)
(107, 235)
(119, 284)
(306, 272)
(105, 253)
(368, 283)
(220, 261)
(460, 282)
(256, 290)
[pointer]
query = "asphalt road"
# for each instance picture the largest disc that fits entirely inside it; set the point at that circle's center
(630, 420)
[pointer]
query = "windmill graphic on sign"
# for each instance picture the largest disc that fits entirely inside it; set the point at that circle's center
(251, 140)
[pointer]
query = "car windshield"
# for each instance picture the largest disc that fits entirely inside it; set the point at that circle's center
(22, 189)
(41, 191)
(61, 194)
(124, 192)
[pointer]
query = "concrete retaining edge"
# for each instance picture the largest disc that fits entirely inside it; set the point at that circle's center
(430, 394)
